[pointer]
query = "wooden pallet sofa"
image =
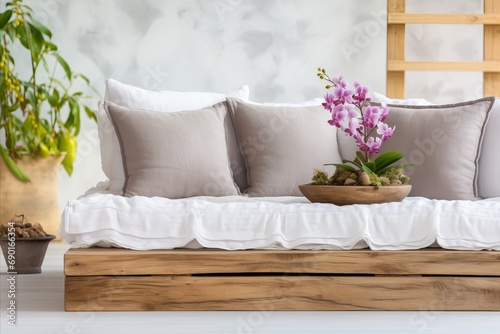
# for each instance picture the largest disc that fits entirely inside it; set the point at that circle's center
(118, 279)
(115, 279)
(99, 279)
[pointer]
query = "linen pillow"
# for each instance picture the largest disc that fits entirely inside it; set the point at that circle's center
(174, 155)
(166, 101)
(282, 145)
(489, 161)
(347, 145)
(444, 143)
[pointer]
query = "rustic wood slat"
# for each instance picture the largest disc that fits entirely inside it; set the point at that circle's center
(491, 81)
(112, 261)
(395, 86)
(401, 65)
(398, 18)
(281, 293)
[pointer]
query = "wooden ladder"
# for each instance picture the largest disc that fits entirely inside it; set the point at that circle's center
(397, 65)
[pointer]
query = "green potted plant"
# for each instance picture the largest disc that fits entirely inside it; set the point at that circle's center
(40, 111)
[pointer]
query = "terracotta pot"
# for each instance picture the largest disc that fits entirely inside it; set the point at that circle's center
(345, 195)
(36, 200)
(27, 253)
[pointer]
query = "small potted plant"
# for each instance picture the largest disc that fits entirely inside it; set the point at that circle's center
(40, 105)
(23, 245)
(370, 179)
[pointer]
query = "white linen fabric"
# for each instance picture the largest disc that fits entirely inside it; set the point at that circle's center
(239, 222)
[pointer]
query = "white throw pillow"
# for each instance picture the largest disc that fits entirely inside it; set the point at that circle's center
(165, 101)
(377, 97)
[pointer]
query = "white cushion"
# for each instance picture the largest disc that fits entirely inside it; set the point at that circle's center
(377, 97)
(166, 101)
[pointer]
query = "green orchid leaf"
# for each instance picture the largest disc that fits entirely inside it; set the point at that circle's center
(343, 166)
(5, 17)
(361, 157)
(369, 167)
(13, 167)
(345, 161)
(64, 65)
(387, 159)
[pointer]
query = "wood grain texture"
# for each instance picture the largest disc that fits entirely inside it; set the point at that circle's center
(396, 64)
(345, 195)
(431, 261)
(269, 293)
(396, 50)
(484, 66)
(491, 79)
(398, 18)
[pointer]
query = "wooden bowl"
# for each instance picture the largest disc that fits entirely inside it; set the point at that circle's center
(346, 195)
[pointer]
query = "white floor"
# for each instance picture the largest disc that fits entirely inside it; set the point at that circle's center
(39, 300)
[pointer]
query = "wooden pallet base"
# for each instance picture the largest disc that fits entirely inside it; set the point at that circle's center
(123, 280)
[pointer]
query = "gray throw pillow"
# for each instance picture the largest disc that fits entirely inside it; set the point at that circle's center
(174, 155)
(282, 145)
(444, 143)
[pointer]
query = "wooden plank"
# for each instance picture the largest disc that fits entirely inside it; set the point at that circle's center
(491, 81)
(486, 66)
(281, 293)
(113, 261)
(395, 50)
(398, 18)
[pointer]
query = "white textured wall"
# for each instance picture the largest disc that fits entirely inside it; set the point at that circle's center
(274, 46)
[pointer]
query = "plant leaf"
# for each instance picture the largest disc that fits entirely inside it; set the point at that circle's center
(53, 98)
(13, 167)
(369, 167)
(73, 120)
(64, 65)
(90, 113)
(361, 157)
(343, 166)
(387, 159)
(351, 162)
(5, 17)
(41, 28)
(36, 38)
